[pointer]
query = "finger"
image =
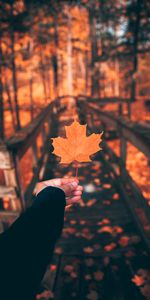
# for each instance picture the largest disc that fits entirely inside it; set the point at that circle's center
(73, 197)
(67, 180)
(73, 200)
(76, 193)
(79, 188)
(58, 181)
(69, 187)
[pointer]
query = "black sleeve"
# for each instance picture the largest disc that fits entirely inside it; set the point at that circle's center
(27, 246)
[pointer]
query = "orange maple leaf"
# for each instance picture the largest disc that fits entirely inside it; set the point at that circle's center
(76, 146)
(138, 280)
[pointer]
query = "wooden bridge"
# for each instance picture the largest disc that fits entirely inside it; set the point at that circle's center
(105, 245)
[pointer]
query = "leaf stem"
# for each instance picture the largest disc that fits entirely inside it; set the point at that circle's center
(76, 165)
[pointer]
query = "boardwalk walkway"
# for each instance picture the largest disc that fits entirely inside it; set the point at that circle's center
(101, 254)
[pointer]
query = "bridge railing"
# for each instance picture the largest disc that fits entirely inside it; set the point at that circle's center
(119, 102)
(22, 158)
(125, 132)
(122, 126)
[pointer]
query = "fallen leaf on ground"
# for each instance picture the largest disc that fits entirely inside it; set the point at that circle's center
(58, 250)
(103, 222)
(110, 247)
(45, 295)
(98, 275)
(93, 295)
(106, 260)
(88, 250)
(116, 196)
(87, 277)
(138, 280)
(89, 262)
(107, 185)
(130, 253)
(72, 222)
(145, 290)
(124, 241)
(108, 229)
(91, 202)
(69, 268)
(82, 222)
(53, 267)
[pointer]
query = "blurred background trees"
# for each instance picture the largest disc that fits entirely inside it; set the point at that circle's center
(98, 48)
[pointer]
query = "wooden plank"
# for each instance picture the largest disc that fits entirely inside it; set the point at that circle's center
(7, 191)
(4, 215)
(34, 156)
(67, 284)
(10, 177)
(6, 161)
(20, 189)
(123, 148)
(91, 275)
(6, 219)
(50, 277)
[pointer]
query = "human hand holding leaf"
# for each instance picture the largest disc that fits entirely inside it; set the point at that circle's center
(76, 146)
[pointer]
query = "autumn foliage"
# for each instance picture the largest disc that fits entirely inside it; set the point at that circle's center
(76, 146)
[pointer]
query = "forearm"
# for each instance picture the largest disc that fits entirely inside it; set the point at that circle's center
(28, 244)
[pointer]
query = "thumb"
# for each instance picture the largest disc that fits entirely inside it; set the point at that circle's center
(69, 187)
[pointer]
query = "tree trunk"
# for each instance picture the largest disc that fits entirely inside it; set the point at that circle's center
(116, 86)
(48, 84)
(1, 98)
(10, 105)
(55, 72)
(31, 98)
(14, 75)
(94, 50)
(55, 58)
(135, 50)
(69, 57)
(43, 75)
(87, 72)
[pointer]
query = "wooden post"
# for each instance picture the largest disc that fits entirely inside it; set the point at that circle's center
(43, 132)
(1, 98)
(123, 149)
(120, 109)
(129, 103)
(9, 190)
(7, 165)
(19, 182)
(31, 97)
(34, 156)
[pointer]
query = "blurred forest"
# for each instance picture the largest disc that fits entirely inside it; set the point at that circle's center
(98, 48)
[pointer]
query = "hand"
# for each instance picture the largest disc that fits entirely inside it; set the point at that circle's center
(70, 186)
